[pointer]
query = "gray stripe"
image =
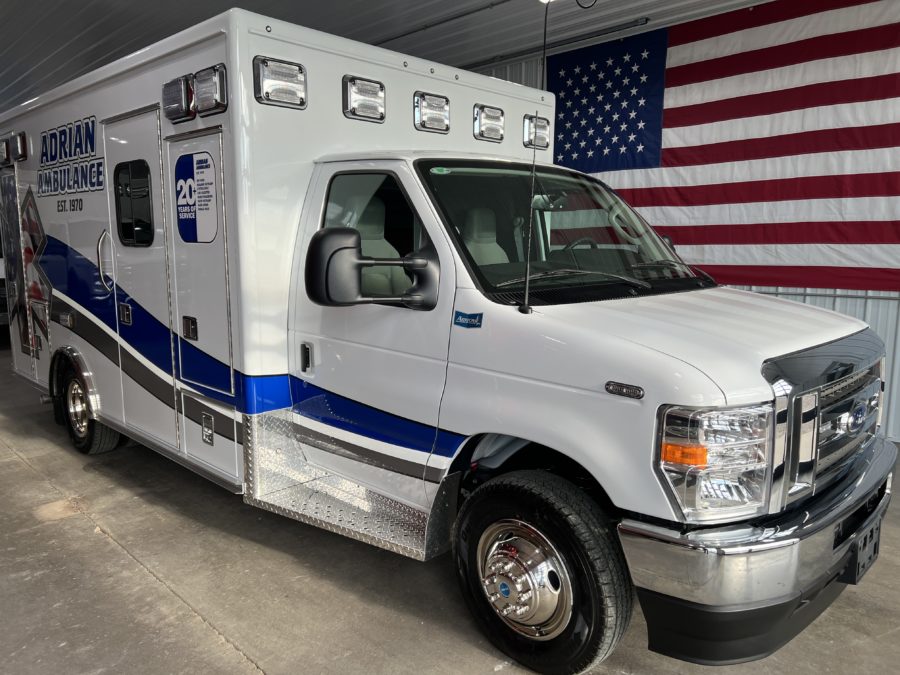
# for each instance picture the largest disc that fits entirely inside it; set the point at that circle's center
(358, 453)
(159, 388)
(84, 327)
(193, 410)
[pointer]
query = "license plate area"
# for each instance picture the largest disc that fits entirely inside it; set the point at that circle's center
(863, 553)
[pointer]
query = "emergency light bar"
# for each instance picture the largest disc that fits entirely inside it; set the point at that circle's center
(18, 148)
(178, 99)
(363, 99)
(431, 112)
(209, 91)
(536, 132)
(279, 82)
(488, 125)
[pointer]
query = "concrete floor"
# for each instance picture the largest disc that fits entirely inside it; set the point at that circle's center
(128, 563)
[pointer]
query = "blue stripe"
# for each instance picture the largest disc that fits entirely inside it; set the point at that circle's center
(344, 413)
(76, 276)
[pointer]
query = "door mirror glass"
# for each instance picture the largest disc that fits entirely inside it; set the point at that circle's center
(335, 265)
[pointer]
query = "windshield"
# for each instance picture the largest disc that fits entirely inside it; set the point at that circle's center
(583, 233)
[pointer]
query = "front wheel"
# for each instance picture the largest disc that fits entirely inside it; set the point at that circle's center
(542, 572)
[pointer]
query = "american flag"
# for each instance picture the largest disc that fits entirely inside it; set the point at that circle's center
(764, 141)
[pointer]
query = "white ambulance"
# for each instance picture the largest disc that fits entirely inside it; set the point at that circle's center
(351, 286)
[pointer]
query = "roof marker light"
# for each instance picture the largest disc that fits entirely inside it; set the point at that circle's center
(210, 95)
(536, 132)
(279, 82)
(431, 112)
(178, 99)
(488, 123)
(363, 99)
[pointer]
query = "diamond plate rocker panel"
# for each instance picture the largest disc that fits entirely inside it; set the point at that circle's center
(279, 478)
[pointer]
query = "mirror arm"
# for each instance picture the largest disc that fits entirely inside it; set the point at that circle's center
(405, 263)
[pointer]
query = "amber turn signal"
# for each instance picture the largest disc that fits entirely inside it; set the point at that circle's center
(690, 455)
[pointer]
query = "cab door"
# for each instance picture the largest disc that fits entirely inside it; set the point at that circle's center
(21, 332)
(368, 379)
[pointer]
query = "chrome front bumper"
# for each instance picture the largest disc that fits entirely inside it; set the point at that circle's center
(747, 566)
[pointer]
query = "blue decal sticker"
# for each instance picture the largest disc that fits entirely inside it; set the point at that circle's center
(195, 197)
(467, 320)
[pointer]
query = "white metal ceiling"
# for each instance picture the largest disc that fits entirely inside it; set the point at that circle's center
(47, 42)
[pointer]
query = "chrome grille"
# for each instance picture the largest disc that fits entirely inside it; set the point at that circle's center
(827, 402)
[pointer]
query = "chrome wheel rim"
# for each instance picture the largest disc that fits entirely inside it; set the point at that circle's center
(76, 404)
(524, 579)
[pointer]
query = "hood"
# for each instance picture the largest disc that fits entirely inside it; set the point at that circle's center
(723, 332)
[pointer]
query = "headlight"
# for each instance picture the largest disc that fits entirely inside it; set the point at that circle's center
(716, 461)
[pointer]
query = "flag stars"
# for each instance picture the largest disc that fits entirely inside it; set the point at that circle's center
(575, 113)
(568, 125)
(590, 153)
(625, 82)
(616, 93)
(591, 110)
(584, 79)
(568, 104)
(583, 121)
(593, 65)
(574, 155)
(561, 115)
(642, 101)
(582, 144)
(632, 114)
(599, 119)
(577, 91)
(623, 126)
(559, 136)
(606, 129)
(607, 107)
(631, 138)
(569, 82)
(615, 117)
(567, 146)
(615, 139)
(562, 94)
(592, 88)
(590, 132)
(605, 151)
(635, 68)
(622, 150)
(577, 69)
(559, 158)
(601, 75)
(584, 100)
(609, 84)
(645, 54)
(641, 125)
(624, 104)
(626, 58)
(597, 140)
(644, 79)
(609, 61)
(575, 133)
(633, 91)
(562, 72)
(618, 71)
(640, 147)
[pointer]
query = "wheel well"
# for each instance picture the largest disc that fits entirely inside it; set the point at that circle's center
(522, 454)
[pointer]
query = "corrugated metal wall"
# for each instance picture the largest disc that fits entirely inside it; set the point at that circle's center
(880, 309)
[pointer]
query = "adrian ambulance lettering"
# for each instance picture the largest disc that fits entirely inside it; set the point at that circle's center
(195, 197)
(68, 159)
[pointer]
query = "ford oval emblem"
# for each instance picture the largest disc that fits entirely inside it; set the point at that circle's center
(857, 418)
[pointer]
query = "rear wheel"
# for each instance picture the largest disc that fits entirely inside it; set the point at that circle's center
(542, 571)
(87, 435)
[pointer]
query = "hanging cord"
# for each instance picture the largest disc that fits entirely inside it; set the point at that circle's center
(525, 308)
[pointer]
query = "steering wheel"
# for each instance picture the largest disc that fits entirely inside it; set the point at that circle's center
(617, 220)
(578, 242)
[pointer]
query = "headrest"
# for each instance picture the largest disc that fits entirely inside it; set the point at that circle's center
(481, 225)
(371, 221)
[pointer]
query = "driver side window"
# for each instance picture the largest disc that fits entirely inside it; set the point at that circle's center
(374, 204)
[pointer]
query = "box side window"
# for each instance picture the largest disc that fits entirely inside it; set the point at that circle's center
(134, 210)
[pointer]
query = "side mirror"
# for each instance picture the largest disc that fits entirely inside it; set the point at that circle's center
(666, 238)
(334, 263)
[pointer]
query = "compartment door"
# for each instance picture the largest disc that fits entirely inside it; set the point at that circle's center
(21, 330)
(138, 233)
(199, 257)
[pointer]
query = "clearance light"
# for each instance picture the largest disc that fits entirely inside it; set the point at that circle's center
(4, 151)
(363, 99)
(209, 91)
(178, 99)
(488, 123)
(18, 148)
(279, 82)
(432, 112)
(536, 132)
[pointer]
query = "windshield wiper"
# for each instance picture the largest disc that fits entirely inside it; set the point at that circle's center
(665, 262)
(637, 283)
(669, 263)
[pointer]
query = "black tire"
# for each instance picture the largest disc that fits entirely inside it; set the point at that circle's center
(584, 541)
(90, 436)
